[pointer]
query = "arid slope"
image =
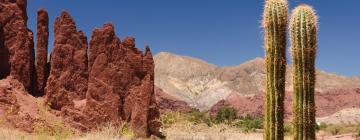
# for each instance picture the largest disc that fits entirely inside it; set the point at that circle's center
(202, 85)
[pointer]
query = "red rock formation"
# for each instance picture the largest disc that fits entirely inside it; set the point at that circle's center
(140, 107)
(9, 88)
(117, 87)
(16, 43)
(103, 98)
(69, 74)
(168, 103)
(18, 109)
(327, 103)
(121, 84)
(42, 36)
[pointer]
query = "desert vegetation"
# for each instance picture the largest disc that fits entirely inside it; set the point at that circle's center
(275, 24)
(303, 36)
(106, 132)
(225, 124)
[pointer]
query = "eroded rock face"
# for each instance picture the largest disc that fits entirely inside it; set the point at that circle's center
(9, 104)
(42, 36)
(103, 98)
(140, 108)
(69, 74)
(116, 83)
(121, 84)
(20, 110)
(16, 43)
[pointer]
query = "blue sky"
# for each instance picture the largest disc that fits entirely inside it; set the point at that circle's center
(222, 32)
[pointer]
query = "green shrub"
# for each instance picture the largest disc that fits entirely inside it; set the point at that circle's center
(288, 130)
(225, 114)
(169, 118)
(198, 117)
(249, 124)
(57, 130)
(127, 132)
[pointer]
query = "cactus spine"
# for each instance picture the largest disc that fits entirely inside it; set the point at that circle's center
(275, 25)
(303, 34)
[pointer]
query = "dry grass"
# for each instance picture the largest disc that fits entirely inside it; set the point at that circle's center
(204, 132)
(106, 133)
(9, 134)
(177, 126)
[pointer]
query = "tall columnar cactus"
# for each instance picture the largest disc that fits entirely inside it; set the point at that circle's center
(275, 25)
(303, 33)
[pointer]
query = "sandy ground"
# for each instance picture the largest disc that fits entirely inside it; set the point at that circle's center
(242, 136)
(338, 137)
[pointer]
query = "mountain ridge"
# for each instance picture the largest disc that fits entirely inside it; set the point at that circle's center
(202, 84)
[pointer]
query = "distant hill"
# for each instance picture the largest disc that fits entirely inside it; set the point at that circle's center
(202, 84)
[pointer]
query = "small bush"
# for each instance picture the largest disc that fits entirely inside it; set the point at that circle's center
(198, 117)
(333, 129)
(127, 132)
(169, 118)
(58, 130)
(358, 131)
(249, 124)
(288, 130)
(193, 117)
(225, 114)
(322, 126)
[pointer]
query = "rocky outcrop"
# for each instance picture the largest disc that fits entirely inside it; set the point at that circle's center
(10, 106)
(168, 103)
(20, 110)
(121, 84)
(114, 85)
(68, 76)
(140, 107)
(16, 43)
(102, 100)
(42, 36)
